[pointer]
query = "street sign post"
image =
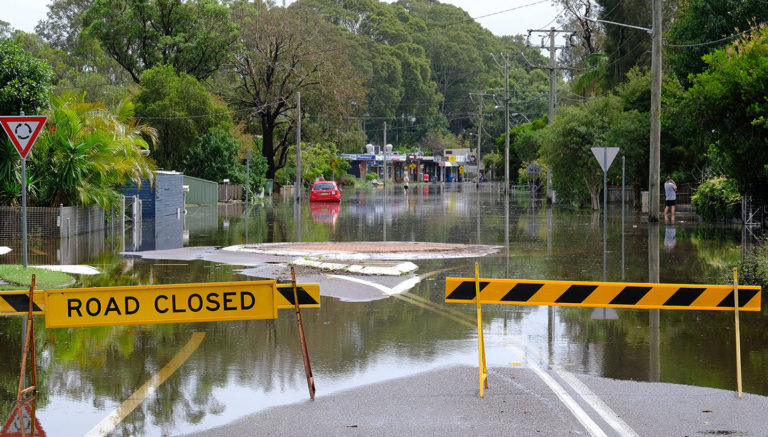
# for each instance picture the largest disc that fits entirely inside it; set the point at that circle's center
(23, 131)
(605, 156)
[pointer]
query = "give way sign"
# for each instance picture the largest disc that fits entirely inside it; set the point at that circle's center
(23, 130)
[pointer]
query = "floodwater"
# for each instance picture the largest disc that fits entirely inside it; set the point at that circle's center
(85, 374)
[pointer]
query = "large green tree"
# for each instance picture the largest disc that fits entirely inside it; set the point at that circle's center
(195, 36)
(25, 81)
(726, 110)
(701, 26)
(567, 143)
(181, 110)
(286, 51)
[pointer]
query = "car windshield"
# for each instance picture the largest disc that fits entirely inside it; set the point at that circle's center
(325, 186)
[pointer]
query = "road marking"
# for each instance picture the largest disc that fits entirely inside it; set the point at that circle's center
(581, 415)
(117, 415)
(597, 404)
(397, 289)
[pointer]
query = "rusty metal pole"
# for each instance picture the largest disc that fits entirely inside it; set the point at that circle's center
(29, 343)
(305, 353)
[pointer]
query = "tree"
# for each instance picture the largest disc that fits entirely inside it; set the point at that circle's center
(25, 81)
(195, 36)
(217, 155)
(285, 51)
(63, 23)
(701, 26)
(726, 108)
(88, 152)
(568, 140)
(181, 110)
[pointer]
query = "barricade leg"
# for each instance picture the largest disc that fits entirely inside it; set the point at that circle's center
(482, 367)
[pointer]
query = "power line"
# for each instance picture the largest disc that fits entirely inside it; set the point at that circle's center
(715, 41)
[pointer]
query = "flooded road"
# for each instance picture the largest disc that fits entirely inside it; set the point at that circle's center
(236, 368)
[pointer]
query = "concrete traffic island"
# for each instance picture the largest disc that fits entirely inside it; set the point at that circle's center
(388, 258)
(369, 250)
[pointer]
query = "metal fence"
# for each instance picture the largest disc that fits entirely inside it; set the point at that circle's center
(53, 222)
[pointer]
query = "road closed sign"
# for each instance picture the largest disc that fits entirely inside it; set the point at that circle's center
(175, 303)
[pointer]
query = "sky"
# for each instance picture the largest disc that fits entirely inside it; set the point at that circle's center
(519, 15)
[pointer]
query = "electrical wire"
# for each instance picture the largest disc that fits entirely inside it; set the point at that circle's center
(715, 41)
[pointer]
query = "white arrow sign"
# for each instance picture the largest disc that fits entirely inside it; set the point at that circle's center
(605, 156)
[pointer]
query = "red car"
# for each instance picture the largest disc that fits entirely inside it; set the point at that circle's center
(325, 191)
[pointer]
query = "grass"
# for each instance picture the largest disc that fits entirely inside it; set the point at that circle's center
(19, 278)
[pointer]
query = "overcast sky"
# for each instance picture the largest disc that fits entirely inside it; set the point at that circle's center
(519, 15)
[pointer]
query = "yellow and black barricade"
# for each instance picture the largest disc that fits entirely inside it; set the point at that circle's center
(601, 294)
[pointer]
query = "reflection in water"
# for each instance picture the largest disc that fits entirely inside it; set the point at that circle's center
(670, 235)
(241, 367)
(22, 420)
(324, 212)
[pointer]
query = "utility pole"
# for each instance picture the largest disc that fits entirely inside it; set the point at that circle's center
(553, 71)
(505, 58)
(479, 133)
(384, 146)
(654, 169)
(298, 148)
(506, 126)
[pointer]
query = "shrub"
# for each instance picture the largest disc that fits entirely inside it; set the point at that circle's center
(717, 199)
(753, 269)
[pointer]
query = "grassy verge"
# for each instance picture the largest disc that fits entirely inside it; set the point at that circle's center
(19, 278)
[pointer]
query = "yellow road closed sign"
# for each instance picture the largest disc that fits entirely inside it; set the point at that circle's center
(174, 303)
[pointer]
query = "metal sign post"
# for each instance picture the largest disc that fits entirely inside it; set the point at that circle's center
(605, 156)
(23, 131)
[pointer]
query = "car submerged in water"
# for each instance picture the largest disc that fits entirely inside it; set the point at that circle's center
(325, 191)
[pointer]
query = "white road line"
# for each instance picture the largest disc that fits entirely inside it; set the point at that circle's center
(581, 415)
(593, 400)
(397, 289)
(597, 404)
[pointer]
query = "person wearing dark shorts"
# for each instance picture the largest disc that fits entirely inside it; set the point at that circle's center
(670, 191)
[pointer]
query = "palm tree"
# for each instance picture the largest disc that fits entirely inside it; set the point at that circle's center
(87, 152)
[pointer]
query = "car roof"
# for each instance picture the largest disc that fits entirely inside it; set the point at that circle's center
(323, 182)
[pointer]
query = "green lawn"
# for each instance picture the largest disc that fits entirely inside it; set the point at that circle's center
(19, 278)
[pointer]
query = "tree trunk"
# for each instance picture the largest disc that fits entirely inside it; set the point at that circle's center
(594, 193)
(268, 145)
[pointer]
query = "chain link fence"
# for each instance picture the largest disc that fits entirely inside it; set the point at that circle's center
(63, 221)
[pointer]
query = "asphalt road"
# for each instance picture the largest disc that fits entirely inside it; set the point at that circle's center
(518, 402)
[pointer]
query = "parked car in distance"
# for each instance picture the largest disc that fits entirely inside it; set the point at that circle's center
(325, 191)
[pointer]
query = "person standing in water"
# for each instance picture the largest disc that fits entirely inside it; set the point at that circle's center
(405, 182)
(670, 191)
